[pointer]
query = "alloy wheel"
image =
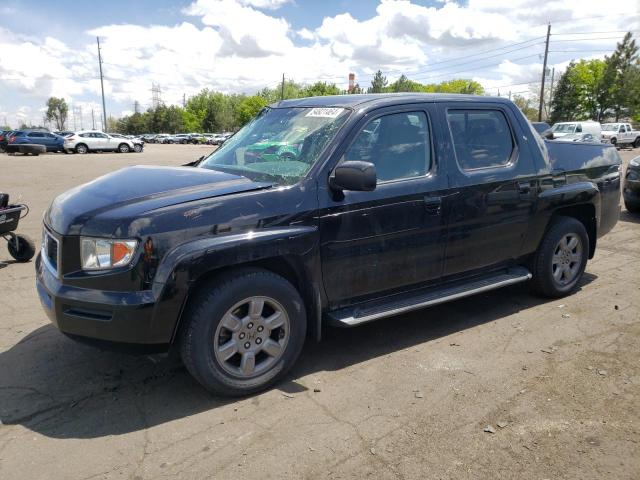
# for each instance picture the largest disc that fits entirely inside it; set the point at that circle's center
(252, 336)
(567, 259)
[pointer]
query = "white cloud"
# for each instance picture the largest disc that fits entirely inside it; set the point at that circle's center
(245, 45)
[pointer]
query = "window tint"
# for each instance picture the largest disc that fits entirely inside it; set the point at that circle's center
(36, 134)
(481, 138)
(622, 129)
(398, 145)
(579, 129)
(85, 135)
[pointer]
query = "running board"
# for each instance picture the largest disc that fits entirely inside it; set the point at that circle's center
(402, 303)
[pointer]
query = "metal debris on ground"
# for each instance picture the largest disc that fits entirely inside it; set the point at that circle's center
(489, 429)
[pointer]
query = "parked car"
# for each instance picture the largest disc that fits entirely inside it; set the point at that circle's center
(568, 128)
(51, 142)
(161, 138)
(631, 187)
(620, 134)
(138, 143)
(196, 138)
(393, 203)
(578, 137)
(149, 138)
(92, 141)
(183, 138)
(4, 139)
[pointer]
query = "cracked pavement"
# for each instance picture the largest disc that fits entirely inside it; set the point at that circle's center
(401, 398)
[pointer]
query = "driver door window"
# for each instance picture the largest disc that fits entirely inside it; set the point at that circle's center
(397, 144)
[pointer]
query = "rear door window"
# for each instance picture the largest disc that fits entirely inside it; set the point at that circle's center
(481, 138)
(35, 135)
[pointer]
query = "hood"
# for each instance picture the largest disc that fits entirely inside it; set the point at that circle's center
(135, 190)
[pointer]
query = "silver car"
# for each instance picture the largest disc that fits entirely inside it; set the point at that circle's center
(92, 141)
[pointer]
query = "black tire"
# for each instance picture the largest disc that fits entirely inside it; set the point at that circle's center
(543, 268)
(205, 313)
(636, 143)
(123, 148)
(137, 148)
(25, 251)
(614, 141)
(632, 207)
(82, 148)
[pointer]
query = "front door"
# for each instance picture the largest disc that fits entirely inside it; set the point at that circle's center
(392, 237)
(493, 173)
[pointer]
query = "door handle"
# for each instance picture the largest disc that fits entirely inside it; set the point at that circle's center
(433, 205)
(524, 188)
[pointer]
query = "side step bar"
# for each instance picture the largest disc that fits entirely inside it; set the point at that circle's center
(402, 303)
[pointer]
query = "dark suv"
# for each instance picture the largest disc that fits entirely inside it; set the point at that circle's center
(327, 210)
(51, 141)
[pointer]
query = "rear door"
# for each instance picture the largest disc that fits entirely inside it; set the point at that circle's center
(392, 237)
(493, 173)
(37, 138)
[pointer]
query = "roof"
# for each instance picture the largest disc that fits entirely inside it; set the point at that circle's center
(381, 100)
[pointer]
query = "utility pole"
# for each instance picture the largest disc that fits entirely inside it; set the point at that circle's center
(509, 94)
(544, 72)
(73, 109)
(282, 89)
(80, 113)
(93, 120)
(184, 100)
(104, 108)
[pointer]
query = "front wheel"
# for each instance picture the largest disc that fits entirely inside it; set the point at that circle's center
(21, 248)
(243, 332)
(561, 258)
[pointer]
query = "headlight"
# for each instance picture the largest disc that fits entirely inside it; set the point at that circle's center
(101, 254)
(635, 162)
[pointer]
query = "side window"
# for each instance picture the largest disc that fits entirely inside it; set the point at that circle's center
(36, 135)
(579, 129)
(622, 129)
(85, 135)
(481, 138)
(399, 145)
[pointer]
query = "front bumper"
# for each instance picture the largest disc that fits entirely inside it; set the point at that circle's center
(101, 317)
(631, 192)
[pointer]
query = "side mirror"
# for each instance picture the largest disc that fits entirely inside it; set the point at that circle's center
(354, 175)
(548, 134)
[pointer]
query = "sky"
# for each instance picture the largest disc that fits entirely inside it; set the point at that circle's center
(241, 46)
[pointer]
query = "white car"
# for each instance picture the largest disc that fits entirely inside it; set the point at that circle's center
(568, 128)
(92, 141)
(620, 134)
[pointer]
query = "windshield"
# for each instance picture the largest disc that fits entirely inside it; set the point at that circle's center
(279, 145)
(610, 127)
(564, 127)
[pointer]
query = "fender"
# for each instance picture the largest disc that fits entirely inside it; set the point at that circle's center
(552, 200)
(185, 264)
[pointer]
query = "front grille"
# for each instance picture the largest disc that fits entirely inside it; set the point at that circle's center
(50, 249)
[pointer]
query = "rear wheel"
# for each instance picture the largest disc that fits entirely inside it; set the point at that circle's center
(137, 148)
(24, 250)
(123, 148)
(636, 143)
(561, 258)
(81, 148)
(243, 332)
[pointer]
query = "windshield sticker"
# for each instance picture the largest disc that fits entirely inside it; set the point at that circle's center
(324, 112)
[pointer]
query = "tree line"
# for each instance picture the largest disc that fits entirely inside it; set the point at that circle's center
(600, 89)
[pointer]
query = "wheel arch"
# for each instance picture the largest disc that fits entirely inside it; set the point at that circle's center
(291, 253)
(586, 214)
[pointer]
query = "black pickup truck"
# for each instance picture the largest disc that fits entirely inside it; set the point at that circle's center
(328, 210)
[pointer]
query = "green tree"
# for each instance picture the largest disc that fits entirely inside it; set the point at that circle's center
(57, 111)
(526, 107)
(249, 108)
(378, 83)
(619, 74)
(320, 89)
